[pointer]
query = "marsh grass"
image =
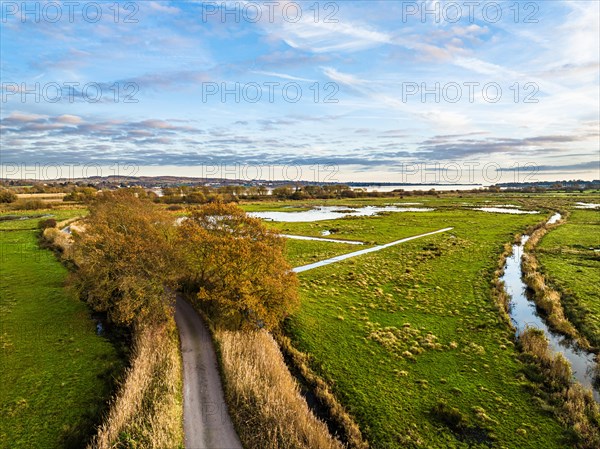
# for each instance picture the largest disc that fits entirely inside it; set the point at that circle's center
(147, 410)
(389, 379)
(573, 405)
(569, 260)
(545, 297)
(264, 399)
(338, 416)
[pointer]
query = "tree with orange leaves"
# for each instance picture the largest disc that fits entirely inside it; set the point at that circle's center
(126, 260)
(238, 267)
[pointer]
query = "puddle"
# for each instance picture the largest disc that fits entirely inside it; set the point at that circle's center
(23, 217)
(505, 210)
(587, 206)
(332, 213)
(554, 218)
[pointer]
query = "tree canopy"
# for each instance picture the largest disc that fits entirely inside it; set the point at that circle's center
(238, 267)
(125, 259)
(132, 257)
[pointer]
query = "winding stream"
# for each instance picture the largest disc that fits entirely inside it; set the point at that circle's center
(523, 314)
(321, 213)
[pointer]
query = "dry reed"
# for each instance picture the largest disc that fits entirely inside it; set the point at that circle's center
(147, 410)
(576, 407)
(264, 399)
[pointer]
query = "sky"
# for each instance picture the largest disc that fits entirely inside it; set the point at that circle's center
(390, 91)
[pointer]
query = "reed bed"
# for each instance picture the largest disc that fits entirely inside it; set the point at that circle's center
(264, 399)
(147, 410)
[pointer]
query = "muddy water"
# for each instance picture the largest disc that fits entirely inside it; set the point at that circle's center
(523, 313)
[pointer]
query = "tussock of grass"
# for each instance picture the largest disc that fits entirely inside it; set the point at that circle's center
(574, 405)
(146, 412)
(58, 240)
(264, 399)
(404, 342)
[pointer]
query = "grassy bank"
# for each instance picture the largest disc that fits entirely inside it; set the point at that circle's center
(147, 409)
(547, 299)
(57, 374)
(571, 263)
(264, 399)
(410, 337)
(573, 405)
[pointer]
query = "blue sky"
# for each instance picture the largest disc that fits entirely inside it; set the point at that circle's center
(365, 91)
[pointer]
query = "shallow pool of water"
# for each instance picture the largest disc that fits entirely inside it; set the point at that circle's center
(587, 206)
(23, 217)
(554, 218)
(506, 210)
(332, 213)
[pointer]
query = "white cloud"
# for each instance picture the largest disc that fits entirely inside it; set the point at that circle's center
(69, 119)
(284, 76)
(343, 78)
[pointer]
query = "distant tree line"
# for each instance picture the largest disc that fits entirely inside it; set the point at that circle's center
(201, 194)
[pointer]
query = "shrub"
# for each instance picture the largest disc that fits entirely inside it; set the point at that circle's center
(238, 267)
(48, 223)
(6, 196)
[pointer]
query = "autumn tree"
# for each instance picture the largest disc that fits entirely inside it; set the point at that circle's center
(238, 267)
(125, 259)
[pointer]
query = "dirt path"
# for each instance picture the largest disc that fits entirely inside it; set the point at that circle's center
(206, 421)
(364, 251)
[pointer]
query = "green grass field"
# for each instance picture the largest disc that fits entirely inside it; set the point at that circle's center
(303, 252)
(56, 372)
(399, 331)
(570, 259)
